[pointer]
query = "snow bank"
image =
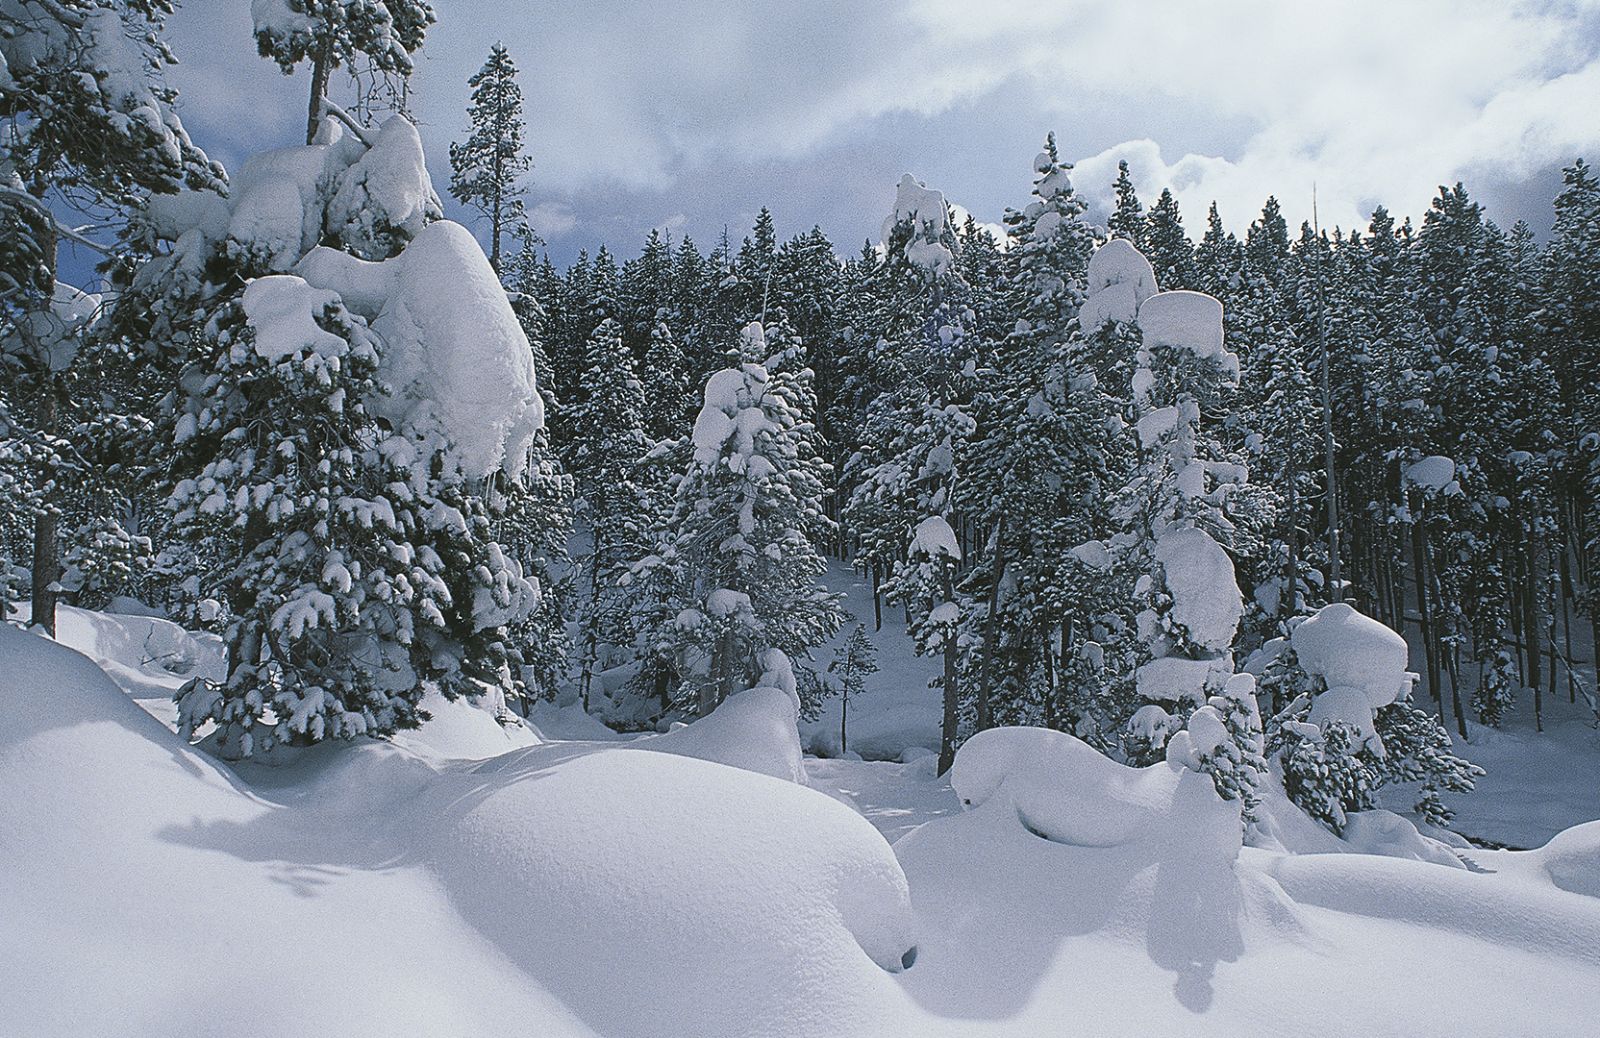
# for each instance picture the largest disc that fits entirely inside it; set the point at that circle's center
(1199, 575)
(553, 890)
(754, 730)
(660, 895)
(1066, 791)
(139, 875)
(1572, 859)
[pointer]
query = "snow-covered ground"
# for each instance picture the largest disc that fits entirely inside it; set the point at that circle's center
(477, 879)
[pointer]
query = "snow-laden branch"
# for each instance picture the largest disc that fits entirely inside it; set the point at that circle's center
(72, 234)
(333, 109)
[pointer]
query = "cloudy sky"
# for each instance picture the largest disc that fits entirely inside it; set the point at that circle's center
(691, 115)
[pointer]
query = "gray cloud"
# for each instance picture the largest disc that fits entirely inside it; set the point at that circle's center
(689, 114)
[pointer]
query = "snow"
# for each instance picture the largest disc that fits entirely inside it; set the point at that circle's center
(1118, 262)
(1183, 320)
(558, 890)
(1572, 859)
(1433, 473)
(1205, 593)
(455, 354)
(933, 538)
(925, 209)
(1093, 554)
(1174, 679)
(754, 730)
(577, 888)
(384, 194)
(282, 310)
(1346, 649)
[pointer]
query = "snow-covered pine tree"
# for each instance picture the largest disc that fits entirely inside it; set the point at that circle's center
(922, 366)
(354, 414)
(1184, 597)
(1127, 217)
(486, 169)
(1167, 245)
(667, 401)
(737, 555)
(332, 33)
(1037, 472)
(1349, 727)
(606, 447)
(90, 124)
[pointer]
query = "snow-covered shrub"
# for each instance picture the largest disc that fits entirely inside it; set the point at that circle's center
(1350, 727)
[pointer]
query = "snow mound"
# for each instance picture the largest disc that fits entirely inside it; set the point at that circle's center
(1347, 649)
(467, 728)
(754, 730)
(1572, 859)
(1388, 834)
(1183, 320)
(385, 196)
(458, 360)
(1066, 791)
(552, 890)
(148, 656)
(925, 209)
(1205, 594)
(1174, 679)
(933, 538)
(1434, 472)
(1118, 262)
(661, 895)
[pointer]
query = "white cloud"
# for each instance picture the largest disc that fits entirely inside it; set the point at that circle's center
(711, 108)
(552, 220)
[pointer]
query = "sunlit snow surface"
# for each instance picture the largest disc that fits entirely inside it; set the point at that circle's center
(474, 879)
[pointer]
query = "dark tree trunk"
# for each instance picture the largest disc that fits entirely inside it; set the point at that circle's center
(321, 66)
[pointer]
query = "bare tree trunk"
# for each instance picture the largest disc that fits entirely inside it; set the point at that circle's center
(990, 646)
(46, 550)
(1419, 554)
(947, 732)
(321, 66)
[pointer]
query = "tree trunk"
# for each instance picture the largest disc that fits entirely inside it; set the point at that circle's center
(321, 66)
(947, 731)
(990, 635)
(1424, 617)
(46, 550)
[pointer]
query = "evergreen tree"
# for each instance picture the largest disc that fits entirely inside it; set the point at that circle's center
(332, 33)
(853, 662)
(486, 170)
(1168, 246)
(90, 127)
(737, 553)
(607, 445)
(1127, 218)
(344, 508)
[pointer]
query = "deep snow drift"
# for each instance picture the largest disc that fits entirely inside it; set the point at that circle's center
(477, 878)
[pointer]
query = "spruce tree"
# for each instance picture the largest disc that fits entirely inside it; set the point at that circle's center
(607, 445)
(487, 168)
(1127, 217)
(90, 122)
(737, 555)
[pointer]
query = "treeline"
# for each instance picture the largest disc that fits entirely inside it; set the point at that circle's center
(1450, 368)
